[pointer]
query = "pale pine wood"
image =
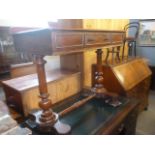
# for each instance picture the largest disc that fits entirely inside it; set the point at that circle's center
(61, 84)
(18, 70)
(22, 69)
(58, 90)
(90, 56)
(131, 73)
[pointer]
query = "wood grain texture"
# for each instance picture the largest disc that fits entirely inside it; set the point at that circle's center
(131, 73)
(24, 94)
(30, 81)
(58, 91)
(131, 79)
(89, 55)
(22, 69)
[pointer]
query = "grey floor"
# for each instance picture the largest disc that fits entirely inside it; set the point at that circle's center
(146, 119)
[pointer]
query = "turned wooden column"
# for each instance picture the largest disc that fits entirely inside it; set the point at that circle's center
(47, 117)
(47, 121)
(98, 87)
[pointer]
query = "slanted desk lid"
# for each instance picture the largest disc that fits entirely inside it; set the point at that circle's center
(131, 73)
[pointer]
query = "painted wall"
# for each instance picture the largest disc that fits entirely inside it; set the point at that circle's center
(146, 52)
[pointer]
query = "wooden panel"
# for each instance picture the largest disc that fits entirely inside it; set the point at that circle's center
(126, 75)
(131, 73)
(22, 69)
(107, 24)
(58, 91)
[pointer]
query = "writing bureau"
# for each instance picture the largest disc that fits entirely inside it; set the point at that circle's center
(129, 78)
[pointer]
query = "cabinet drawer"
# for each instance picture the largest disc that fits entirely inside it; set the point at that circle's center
(67, 41)
(93, 39)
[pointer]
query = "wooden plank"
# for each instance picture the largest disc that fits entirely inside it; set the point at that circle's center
(22, 69)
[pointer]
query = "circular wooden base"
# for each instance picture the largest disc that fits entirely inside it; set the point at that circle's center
(57, 127)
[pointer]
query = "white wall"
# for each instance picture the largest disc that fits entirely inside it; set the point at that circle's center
(53, 62)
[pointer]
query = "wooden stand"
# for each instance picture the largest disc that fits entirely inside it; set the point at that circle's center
(99, 89)
(47, 121)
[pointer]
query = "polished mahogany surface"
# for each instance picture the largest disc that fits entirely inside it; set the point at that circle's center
(61, 41)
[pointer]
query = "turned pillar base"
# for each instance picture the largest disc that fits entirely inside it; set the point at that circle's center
(45, 121)
(57, 127)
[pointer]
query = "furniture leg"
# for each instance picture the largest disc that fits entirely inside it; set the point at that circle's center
(47, 121)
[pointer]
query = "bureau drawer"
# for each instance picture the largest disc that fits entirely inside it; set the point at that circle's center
(94, 39)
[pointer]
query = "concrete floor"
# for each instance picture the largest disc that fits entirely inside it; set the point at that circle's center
(146, 119)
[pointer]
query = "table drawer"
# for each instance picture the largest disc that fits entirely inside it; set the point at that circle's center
(67, 41)
(117, 37)
(93, 39)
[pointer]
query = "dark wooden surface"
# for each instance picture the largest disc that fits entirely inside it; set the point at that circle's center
(56, 41)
